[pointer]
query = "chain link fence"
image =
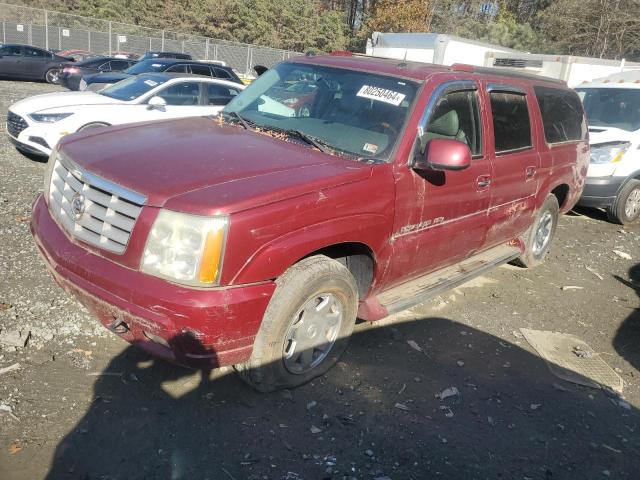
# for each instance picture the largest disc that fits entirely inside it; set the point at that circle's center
(62, 31)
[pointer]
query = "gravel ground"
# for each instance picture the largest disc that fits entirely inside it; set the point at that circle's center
(83, 404)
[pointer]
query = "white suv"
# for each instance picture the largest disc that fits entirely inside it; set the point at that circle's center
(612, 105)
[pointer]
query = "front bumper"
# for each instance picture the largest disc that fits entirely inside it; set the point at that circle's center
(196, 327)
(600, 191)
(33, 139)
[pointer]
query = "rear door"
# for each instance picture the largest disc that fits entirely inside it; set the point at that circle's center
(441, 216)
(33, 63)
(514, 161)
(10, 56)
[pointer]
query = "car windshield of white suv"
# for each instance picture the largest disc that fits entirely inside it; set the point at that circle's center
(336, 110)
(133, 87)
(612, 107)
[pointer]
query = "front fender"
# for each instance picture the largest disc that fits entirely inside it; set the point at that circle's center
(274, 258)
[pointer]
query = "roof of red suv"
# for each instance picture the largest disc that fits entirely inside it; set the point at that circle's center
(409, 69)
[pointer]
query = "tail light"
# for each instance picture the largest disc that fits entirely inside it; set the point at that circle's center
(70, 70)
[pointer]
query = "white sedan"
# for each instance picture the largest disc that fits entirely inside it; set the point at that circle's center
(36, 124)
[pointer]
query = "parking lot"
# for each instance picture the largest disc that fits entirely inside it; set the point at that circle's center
(84, 404)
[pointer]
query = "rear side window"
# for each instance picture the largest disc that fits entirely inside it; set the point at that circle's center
(221, 73)
(10, 51)
(511, 125)
(562, 115)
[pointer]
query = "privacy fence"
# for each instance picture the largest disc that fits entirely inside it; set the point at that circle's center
(63, 31)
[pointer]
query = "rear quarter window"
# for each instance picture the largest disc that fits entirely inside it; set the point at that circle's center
(562, 115)
(511, 124)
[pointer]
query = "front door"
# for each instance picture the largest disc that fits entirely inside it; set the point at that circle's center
(515, 163)
(441, 216)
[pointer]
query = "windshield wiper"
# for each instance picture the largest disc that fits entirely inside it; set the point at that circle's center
(239, 117)
(310, 140)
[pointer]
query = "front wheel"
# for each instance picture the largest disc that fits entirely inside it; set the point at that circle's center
(306, 327)
(626, 207)
(52, 75)
(539, 236)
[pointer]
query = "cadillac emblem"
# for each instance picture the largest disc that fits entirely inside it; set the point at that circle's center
(77, 206)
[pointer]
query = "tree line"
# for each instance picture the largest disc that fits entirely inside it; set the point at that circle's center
(595, 28)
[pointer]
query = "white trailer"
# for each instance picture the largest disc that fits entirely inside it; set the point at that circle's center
(573, 70)
(431, 48)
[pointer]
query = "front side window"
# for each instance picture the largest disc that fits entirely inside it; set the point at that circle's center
(181, 94)
(456, 116)
(119, 64)
(612, 107)
(562, 115)
(201, 70)
(221, 73)
(220, 94)
(105, 67)
(145, 66)
(352, 112)
(178, 69)
(511, 124)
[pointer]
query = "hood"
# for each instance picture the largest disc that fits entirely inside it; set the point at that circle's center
(48, 101)
(111, 77)
(198, 166)
(598, 135)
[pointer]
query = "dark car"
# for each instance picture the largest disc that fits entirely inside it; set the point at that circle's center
(98, 81)
(25, 62)
(71, 74)
(152, 55)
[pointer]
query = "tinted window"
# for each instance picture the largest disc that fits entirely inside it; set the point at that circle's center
(119, 64)
(34, 52)
(562, 115)
(201, 70)
(221, 73)
(456, 117)
(185, 93)
(177, 68)
(511, 125)
(10, 51)
(612, 107)
(220, 95)
(146, 66)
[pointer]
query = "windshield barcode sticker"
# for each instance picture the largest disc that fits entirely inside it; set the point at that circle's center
(381, 94)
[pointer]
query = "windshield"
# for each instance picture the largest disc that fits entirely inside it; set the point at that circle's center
(357, 113)
(145, 66)
(612, 107)
(132, 87)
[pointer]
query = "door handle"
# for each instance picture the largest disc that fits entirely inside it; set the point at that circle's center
(530, 172)
(483, 182)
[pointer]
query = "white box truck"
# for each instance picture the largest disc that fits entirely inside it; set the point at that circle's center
(573, 70)
(431, 48)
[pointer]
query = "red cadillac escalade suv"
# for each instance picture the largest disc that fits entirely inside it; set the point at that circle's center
(257, 237)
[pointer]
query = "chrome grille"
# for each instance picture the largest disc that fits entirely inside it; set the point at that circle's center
(15, 124)
(109, 211)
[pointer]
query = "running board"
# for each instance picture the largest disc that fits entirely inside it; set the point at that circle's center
(425, 288)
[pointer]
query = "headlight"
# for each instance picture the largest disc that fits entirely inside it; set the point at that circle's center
(48, 117)
(48, 172)
(186, 249)
(609, 152)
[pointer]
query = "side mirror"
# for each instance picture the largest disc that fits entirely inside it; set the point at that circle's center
(443, 154)
(156, 103)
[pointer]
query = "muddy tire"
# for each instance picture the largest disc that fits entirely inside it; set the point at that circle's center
(306, 326)
(539, 236)
(52, 75)
(626, 207)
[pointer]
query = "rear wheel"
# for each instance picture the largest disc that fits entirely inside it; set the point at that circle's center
(52, 75)
(539, 236)
(306, 327)
(626, 206)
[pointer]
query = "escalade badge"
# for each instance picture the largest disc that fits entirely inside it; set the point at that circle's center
(77, 206)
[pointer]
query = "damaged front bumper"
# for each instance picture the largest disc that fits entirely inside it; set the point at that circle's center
(197, 327)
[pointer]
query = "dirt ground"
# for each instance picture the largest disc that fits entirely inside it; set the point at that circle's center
(84, 405)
